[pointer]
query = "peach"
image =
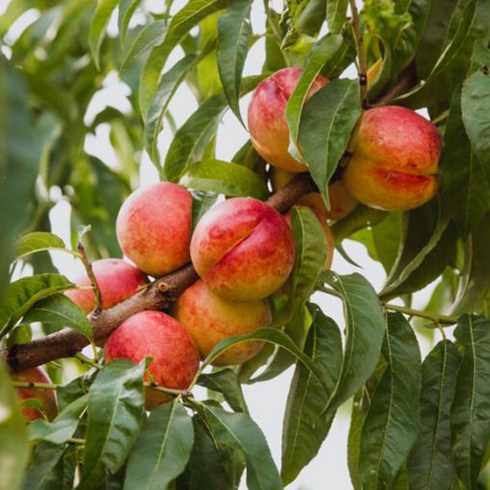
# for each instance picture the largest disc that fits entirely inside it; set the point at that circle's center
(395, 154)
(210, 319)
(154, 227)
(175, 358)
(117, 281)
(243, 249)
(267, 122)
(341, 202)
(46, 397)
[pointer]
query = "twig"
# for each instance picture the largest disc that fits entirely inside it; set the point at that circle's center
(93, 280)
(361, 53)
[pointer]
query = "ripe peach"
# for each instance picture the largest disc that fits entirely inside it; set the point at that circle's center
(117, 281)
(210, 319)
(175, 358)
(243, 249)
(267, 117)
(341, 202)
(46, 397)
(395, 159)
(154, 227)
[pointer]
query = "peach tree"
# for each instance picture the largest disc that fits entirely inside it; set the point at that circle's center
(331, 97)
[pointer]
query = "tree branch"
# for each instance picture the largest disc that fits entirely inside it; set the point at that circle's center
(158, 296)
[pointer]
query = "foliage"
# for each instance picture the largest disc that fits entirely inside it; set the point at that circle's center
(418, 421)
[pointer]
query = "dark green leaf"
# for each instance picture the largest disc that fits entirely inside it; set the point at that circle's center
(98, 26)
(225, 382)
(325, 49)
(364, 335)
(304, 430)
(239, 432)
(201, 203)
(354, 440)
(470, 414)
(23, 293)
(328, 120)
(234, 34)
(59, 311)
(162, 450)
(14, 447)
(115, 415)
(392, 422)
(226, 178)
(430, 464)
(36, 242)
(336, 14)
(345, 56)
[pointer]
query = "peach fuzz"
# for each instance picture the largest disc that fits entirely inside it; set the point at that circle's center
(175, 358)
(395, 154)
(47, 397)
(243, 249)
(117, 281)
(210, 319)
(341, 202)
(154, 227)
(267, 122)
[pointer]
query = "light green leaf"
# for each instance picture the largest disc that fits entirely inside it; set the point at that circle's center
(304, 430)
(336, 14)
(162, 450)
(234, 34)
(328, 120)
(38, 241)
(470, 413)
(59, 311)
(226, 178)
(126, 11)
(98, 26)
(392, 423)
(115, 415)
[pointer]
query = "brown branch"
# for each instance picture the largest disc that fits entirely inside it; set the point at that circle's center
(406, 80)
(158, 296)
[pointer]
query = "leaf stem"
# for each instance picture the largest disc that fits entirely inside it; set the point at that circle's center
(169, 391)
(35, 386)
(93, 280)
(361, 53)
(86, 360)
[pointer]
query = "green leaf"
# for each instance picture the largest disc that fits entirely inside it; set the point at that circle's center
(225, 382)
(62, 427)
(162, 450)
(475, 104)
(430, 463)
(304, 430)
(149, 36)
(226, 178)
(392, 423)
(23, 293)
(126, 11)
(14, 447)
(201, 203)
(19, 161)
(336, 14)
(98, 26)
(192, 139)
(328, 120)
(115, 415)
(470, 414)
(38, 241)
(60, 311)
(465, 187)
(364, 335)
(238, 431)
(345, 56)
(182, 22)
(354, 439)
(234, 35)
(323, 50)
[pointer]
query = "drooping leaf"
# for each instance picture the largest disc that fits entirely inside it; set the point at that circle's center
(470, 413)
(364, 335)
(345, 56)
(238, 431)
(38, 241)
(328, 120)
(24, 292)
(234, 34)
(126, 11)
(430, 463)
(99, 25)
(392, 422)
(14, 447)
(304, 430)
(59, 311)
(115, 415)
(162, 450)
(225, 382)
(226, 178)
(336, 14)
